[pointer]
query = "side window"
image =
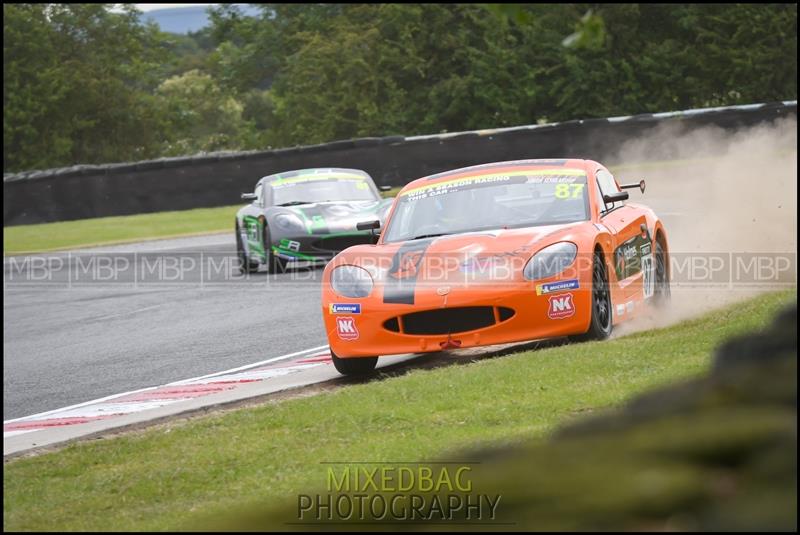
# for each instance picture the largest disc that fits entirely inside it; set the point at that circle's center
(608, 186)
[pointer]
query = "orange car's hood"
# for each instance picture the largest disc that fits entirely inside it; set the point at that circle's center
(460, 258)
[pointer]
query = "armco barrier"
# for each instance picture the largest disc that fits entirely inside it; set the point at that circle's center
(218, 179)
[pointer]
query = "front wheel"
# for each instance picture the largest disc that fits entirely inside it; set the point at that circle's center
(600, 325)
(354, 366)
(274, 263)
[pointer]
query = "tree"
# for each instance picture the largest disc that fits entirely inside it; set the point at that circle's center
(199, 115)
(77, 79)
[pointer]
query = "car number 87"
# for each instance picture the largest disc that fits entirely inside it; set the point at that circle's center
(569, 191)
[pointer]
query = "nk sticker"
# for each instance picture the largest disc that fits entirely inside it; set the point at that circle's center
(345, 308)
(346, 328)
(560, 286)
(561, 306)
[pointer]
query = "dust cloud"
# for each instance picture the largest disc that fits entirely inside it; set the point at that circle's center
(725, 197)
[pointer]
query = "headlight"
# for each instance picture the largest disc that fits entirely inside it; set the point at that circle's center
(351, 281)
(550, 261)
(289, 222)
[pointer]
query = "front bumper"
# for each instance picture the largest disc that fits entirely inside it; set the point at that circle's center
(465, 318)
(318, 247)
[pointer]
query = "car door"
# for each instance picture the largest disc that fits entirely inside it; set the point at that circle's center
(632, 246)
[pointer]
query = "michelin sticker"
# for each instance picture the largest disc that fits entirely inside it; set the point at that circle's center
(345, 308)
(560, 286)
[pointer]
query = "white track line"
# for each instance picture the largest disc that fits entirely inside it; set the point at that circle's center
(114, 396)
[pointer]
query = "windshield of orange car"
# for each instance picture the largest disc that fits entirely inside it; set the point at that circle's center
(513, 200)
(310, 189)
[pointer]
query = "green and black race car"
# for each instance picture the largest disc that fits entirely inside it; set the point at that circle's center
(306, 215)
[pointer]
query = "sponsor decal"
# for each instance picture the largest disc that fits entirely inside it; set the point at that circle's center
(486, 179)
(620, 310)
(561, 306)
(560, 286)
(648, 276)
(629, 306)
(346, 328)
(290, 245)
(252, 242)
(345, 308)
(628, 256)
(289, 181)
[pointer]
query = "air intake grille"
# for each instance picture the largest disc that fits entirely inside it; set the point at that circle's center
(340, 243)
(448, 320)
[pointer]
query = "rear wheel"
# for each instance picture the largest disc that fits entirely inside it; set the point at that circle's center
(600, 325)
(662, 293)
(354, 366)
(245, 265)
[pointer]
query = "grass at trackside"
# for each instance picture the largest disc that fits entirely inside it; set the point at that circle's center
(118, 229)
(171, 475)
(121, 229)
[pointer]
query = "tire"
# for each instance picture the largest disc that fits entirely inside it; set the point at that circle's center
(274, 264)
(662, 292)
(601, 324)
(245, 265)
(354, 366)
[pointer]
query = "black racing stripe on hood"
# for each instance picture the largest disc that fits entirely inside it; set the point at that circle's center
(401, 280)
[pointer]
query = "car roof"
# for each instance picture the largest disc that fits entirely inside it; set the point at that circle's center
(499, 167)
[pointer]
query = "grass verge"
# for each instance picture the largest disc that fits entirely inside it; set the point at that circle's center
(167, 477)
(114, 230)
(121, 229)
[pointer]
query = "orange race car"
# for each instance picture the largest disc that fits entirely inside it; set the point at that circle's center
(495, 253)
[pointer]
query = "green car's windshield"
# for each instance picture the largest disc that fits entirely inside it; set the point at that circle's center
(490, 201)
(309, 188)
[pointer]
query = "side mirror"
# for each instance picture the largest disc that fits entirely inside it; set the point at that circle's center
(616, 197)
(249, 196)
(384, 188)
(368, 225)
(640, 185)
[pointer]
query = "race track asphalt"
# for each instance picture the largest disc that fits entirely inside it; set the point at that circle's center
(68, 341)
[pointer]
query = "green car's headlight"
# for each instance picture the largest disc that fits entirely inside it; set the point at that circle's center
(550, 261)
(289, 222)
(351, 281)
